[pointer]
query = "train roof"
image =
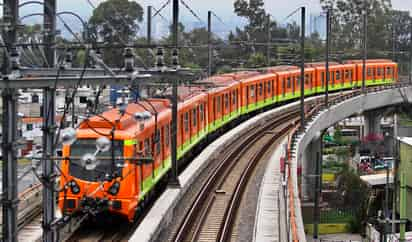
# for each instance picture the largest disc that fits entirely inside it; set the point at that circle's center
(320, 64)
(261, 76)
(112, 117)
(294, 71)
(274, 69)
(368, 61)
(240, 75)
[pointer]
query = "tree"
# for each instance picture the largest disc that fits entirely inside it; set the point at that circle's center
(347, 22)
(115, 21)
(253, 10)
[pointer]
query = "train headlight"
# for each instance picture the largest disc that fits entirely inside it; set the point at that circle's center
(68, 136)
(74, 187)
(89, 162)
(114, 188)
(103, 144)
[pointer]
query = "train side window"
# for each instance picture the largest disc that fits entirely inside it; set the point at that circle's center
(158, 142)
(389, 70)
(347, 74)
(141, 148)
(369, 70)
(186, 121)
(260, 89)
(218, 104)
(337, 75)
(234, 98)
(252, 90)
(269, 87)
(306, 79)
(379, 71)
(201, 113)
(194, 111)
(322, 77)
(167, 134)
(350, 76)
(147, 149)
(288, 83)
(333, 78)
(226, 101)
(311, 81)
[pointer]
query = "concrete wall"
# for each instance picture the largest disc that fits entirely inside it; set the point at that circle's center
(338, 112)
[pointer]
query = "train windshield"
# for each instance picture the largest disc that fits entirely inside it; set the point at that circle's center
(104, 166)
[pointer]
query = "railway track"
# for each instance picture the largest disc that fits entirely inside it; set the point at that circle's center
(211, 215)
(30, 200)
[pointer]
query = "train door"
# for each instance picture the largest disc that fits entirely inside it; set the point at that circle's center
(180, 133)
(247, 96)
(378, 72)
(273, 87)
(214, 109)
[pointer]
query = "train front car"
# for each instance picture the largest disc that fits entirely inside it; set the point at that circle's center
(103, 169)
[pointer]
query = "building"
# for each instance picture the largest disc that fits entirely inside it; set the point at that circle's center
(405, 166)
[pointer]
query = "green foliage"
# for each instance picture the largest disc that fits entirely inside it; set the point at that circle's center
(256, 60)
(115, 21)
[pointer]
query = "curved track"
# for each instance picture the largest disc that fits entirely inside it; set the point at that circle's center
(211, 216)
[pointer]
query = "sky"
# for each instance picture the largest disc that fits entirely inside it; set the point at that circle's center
(278, 9)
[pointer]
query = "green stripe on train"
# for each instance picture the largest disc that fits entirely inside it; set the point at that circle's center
(159, 172)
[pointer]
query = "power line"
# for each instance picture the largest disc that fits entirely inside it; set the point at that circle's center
(161, 8)
(192, 12)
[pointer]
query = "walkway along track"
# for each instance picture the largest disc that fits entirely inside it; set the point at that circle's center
(211, 216)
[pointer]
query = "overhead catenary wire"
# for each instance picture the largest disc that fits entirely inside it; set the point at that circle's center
(193, 12)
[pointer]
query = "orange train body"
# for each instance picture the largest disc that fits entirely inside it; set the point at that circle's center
(122, 185)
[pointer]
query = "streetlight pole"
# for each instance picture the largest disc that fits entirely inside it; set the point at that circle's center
(268, 40)
(149, 25)
(365, 38)
(209, 42)
(328, 32)
(302, 69)
(174, 181)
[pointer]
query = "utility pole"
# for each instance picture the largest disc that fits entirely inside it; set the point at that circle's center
(149, 25)
(268, 40)
(393, 40)
(328, 32)
(365, 38)
(302, 69)
(174, 181)
(386, 230)
(209, 42)
(410, 55)
(395, 170)
(9, 128)
(402, 207)
(49, 126)
(316, 214)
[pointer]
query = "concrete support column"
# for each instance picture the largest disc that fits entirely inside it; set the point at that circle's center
(372, 122)
(309, 159)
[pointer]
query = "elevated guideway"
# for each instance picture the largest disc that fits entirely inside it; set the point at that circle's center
(308, 143)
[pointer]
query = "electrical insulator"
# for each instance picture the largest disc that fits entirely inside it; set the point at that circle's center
(68, 61)
(175, 58)
(14, 59)
(128, 60)
(160, 58)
